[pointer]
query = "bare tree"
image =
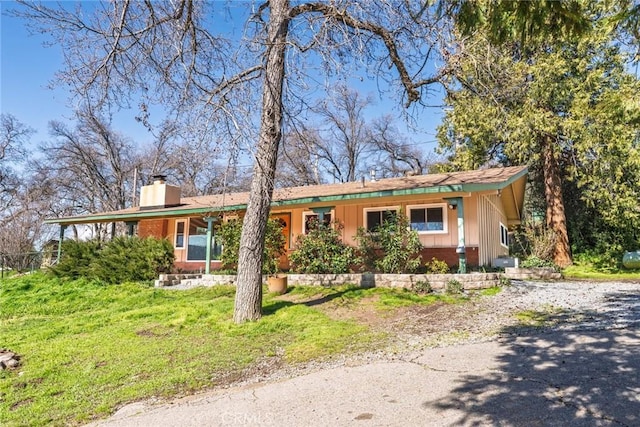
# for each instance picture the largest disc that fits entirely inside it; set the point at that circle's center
(174, 53)
(395, 154)
(89, 166)
(347, 136)
(13, 135)
(298, 161)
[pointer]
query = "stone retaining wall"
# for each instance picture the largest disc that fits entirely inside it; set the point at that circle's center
(366, 280)
(437, 281)
(544, 273)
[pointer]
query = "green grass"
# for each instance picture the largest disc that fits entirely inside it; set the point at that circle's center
(587, 271)
(88, 348)
(538, 318)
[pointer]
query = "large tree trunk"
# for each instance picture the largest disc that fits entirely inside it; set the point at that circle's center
(556, 219)
(248, 303)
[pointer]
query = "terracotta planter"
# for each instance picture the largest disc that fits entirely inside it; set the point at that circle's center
(277, 284)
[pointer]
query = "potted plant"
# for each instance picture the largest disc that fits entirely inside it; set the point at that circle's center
(274, 242)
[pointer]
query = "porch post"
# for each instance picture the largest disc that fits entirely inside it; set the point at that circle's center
(461, 250)
(207, 267)
(60, 239)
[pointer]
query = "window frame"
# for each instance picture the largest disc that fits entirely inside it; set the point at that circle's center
(425, 206)
(504, 236)
(183, 234)
(306, 214)
(365, 211)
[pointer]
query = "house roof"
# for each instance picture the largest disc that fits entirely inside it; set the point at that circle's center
(454, 183)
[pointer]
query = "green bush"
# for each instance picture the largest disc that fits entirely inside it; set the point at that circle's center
(131, 259)
(76, 259)
(322, 251)
(120, 260)
(229, 233)
(454, 287)
(422, 287)
(436, 266)
(533, 262)
(393, 248)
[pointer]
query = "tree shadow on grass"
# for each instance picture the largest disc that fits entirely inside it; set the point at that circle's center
(273, 306)
(584, 370)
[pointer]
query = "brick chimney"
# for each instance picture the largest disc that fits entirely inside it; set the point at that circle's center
(159, 194)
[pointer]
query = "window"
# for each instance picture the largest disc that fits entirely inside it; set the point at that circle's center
(428, 219)
(504, 235)
(197, 242)
(375, 217)
(179, 235)
(310, 218)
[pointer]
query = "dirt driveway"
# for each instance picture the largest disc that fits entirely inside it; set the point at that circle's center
(570, 357)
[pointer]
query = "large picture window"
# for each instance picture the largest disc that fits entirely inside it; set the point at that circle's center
(428, 219)
(197, 242)
(375, 217)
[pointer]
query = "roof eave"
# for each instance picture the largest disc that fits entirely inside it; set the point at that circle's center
(177, 212)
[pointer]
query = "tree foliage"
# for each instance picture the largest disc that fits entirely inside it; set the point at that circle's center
(571, 111)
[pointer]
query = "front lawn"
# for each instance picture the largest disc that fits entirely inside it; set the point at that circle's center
(88, 348)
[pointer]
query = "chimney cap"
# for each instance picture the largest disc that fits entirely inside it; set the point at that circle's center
(159, 177)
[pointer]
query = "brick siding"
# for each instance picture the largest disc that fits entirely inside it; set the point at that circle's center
(153, 228)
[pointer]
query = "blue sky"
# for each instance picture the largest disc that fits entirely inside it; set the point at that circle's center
(27, 68)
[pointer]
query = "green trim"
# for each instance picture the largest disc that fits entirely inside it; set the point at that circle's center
(90, 219)
(177, 212)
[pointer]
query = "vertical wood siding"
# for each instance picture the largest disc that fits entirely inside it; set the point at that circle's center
(490, 215)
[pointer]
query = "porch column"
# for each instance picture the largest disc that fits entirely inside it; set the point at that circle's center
(210, 220)
(60, 239)
(131, 227)
(461, 250)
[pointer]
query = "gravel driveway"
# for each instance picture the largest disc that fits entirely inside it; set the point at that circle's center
(571, 359)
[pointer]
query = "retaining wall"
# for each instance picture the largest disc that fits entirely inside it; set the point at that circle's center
(366, 280)
(544, 273)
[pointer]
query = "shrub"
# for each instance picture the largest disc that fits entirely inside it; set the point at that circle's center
(436, 266)
(422, 287)
(76, 258)
(229, 233)
(454, 287)
(392, 248)
(533, 262)
(535, 240)
(130, 259)
(120, 260)
(322, 251)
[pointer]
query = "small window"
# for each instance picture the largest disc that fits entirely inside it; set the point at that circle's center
(375, 217)
(504, 235)
(311, 218)
(179, 235)
(428, 218)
